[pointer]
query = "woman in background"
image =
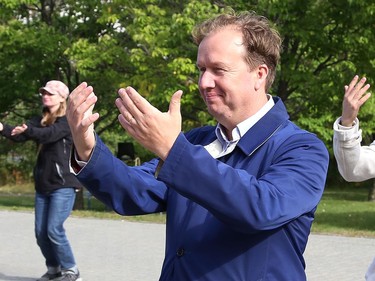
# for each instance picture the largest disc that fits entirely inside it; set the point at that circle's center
(54, 184)
(355, 162)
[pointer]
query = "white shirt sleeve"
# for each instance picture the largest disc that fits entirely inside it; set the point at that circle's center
(355, 162)
(80, 164)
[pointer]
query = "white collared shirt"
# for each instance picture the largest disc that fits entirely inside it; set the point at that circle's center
(222, 146)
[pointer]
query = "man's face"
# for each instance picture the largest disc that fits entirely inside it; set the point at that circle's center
(226, 83)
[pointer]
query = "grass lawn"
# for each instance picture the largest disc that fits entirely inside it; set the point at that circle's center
(342, 211)
(345, 211)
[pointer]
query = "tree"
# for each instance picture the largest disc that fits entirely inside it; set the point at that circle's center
(325, 43)
(108, 44)
(147, 44)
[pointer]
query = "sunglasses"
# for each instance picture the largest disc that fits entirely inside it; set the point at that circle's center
(45, 93)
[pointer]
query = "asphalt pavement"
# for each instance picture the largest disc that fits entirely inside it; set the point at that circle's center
(130, 251)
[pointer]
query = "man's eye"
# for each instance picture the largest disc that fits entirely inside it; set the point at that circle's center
(219, 70)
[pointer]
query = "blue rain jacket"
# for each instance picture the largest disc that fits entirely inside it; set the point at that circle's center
(243, 217)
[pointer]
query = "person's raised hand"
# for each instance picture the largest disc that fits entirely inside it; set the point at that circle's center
(19, 130)
(355, 96)
(81, 119)
(153, 129)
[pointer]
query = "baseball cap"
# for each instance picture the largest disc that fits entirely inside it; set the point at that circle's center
(56, 87)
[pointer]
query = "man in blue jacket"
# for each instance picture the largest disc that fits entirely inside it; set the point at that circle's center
(239, 197)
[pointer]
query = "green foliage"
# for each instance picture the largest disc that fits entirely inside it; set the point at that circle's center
(17, 162)
(322, 51)
(17, 159)
(147, 44)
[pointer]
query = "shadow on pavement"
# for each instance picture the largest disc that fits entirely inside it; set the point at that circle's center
(4, 277)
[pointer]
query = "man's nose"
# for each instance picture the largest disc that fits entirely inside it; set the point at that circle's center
(206, 80)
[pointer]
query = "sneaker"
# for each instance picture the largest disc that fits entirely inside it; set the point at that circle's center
(48, 276)
(70, 276)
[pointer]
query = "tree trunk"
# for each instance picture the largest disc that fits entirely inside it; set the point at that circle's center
(79, 203)
(371, 194)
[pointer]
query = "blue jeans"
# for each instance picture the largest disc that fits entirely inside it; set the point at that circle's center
(51, 211)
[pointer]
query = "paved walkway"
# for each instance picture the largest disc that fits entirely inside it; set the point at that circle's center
(109, 250)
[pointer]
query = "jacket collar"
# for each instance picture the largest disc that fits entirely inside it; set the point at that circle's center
(270, 123)
(257, 135)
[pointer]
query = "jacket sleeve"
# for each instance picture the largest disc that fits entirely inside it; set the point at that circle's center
(49, 134)
(42, 135)
(126, 189)
(288, 188)
(355, 162)
(7, 131)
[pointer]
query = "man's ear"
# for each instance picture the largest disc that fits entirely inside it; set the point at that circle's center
(262, 73)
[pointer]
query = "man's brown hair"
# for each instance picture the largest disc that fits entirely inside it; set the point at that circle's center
(262, 42)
